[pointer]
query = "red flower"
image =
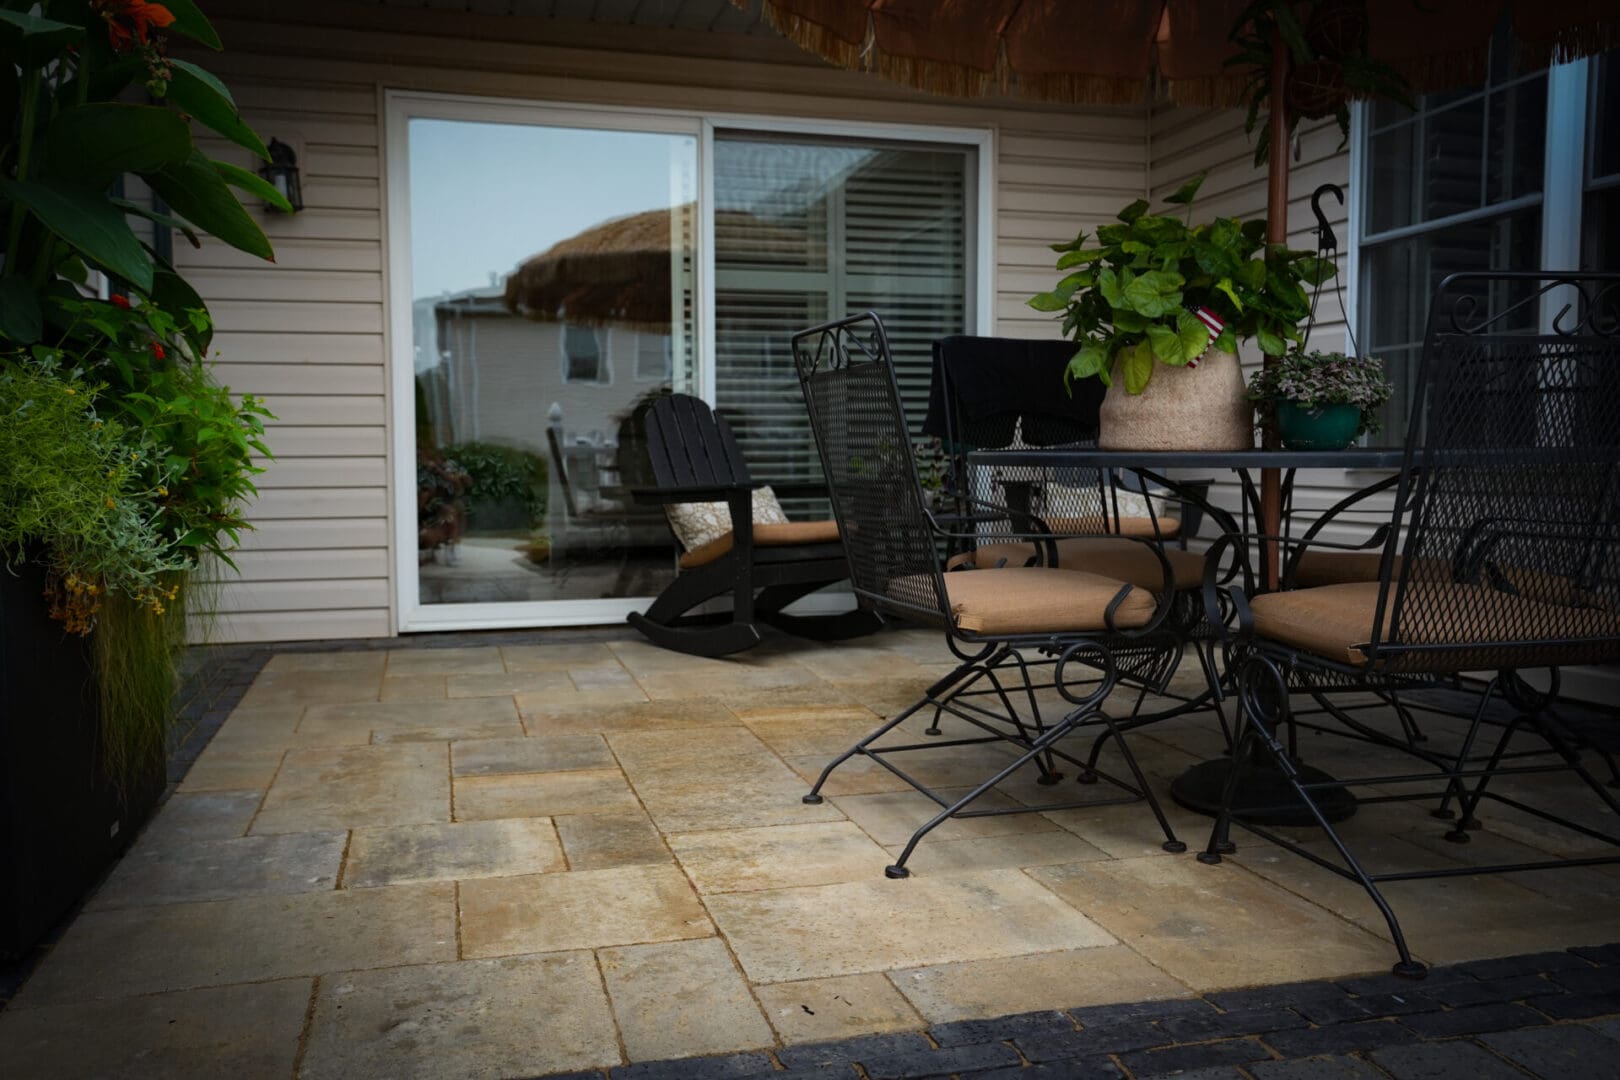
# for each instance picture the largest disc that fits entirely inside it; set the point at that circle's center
(130, 22)
(120, 301)
(157, 351)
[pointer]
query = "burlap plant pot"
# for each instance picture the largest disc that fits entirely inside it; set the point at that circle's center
(1182, 408)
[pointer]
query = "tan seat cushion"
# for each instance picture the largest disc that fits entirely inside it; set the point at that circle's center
(1336, 621)
(1168, 527)
(1123, 560)
(1318, 568)
(783, 535)
(1036, 600)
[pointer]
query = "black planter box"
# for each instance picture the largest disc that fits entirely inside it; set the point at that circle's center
(62, 823)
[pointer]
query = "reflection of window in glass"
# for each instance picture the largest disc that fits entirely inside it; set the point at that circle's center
(584, 358)
(652, 358)
(1456, 185)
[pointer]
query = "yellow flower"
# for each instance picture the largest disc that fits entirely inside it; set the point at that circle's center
(111, 504)
(111, 473)
(162, 490)
(70, 389)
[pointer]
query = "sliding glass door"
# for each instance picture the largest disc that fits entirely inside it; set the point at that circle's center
(554, 269)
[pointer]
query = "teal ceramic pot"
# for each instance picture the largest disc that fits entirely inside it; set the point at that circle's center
(1333, 427)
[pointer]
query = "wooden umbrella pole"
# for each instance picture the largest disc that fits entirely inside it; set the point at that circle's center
(1276, 233)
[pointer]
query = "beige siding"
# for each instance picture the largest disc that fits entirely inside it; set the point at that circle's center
(309, 333)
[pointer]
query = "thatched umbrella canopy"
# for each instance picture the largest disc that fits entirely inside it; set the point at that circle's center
(618, 273)
(613, 274)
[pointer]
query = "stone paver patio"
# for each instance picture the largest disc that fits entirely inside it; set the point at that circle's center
(515, 860)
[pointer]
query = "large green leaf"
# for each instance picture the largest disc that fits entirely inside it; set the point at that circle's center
(20, 318)
(1185, 193)
(210, 104)
(1316, 270)
(34, 38)
(1076, 258)
(1048, 301)
(1132, 212)
(1089, 361)
(89, 223)
(97, 143)
(1109, 284)
(162, 219)
(1271, 343)
(174, 294)
(1137, 361)
(197, 193)
(190, 21)
(253, 184)
(1179, 344)
(1155, 293)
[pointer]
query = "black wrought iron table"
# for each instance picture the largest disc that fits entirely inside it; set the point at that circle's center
(1200, 787)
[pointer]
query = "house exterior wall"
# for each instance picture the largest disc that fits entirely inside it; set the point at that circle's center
(310, 333)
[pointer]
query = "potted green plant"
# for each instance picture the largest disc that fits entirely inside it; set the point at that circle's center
(123, 462)
(1320, 400)
(1158, 307)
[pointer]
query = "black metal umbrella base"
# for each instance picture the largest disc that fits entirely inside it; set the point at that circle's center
(1264, 795)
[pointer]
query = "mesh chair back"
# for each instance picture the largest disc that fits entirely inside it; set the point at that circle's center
(846, 373)
(689, 446)
(1511, 504)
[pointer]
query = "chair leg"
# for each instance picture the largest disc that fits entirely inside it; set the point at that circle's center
(1455, 789)
(1255, 669)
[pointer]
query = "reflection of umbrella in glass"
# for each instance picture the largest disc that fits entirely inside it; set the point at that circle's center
(620, 273)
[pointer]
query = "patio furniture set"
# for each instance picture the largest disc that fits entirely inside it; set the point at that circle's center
(1497, 555)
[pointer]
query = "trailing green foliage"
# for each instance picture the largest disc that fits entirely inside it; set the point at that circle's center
(136, 648)
(1129, 299)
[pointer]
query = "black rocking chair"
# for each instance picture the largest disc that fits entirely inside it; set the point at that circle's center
(763, 568)
(1502, 555)
(1018, 623)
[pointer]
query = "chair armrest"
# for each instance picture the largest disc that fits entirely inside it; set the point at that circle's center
(694, 493)
(1239, 594)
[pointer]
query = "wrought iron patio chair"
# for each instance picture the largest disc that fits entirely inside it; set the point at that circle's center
(1502, 554)
(1009, 622)
(991, 393)
(762, 567)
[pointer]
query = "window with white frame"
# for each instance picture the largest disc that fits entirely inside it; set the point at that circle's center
(1475, 180)
(584, 356)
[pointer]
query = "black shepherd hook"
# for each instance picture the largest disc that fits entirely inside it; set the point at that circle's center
(1325, 238)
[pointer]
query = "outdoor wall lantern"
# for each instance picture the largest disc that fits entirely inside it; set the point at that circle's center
(282, 173)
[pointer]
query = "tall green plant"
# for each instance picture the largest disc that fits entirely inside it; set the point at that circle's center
(1130, 299)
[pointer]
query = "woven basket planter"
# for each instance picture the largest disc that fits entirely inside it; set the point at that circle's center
(1182, 408)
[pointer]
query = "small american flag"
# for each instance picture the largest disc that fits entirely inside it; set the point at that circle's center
(1215, 325)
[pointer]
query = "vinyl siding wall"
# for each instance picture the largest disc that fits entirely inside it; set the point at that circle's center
(309, 334)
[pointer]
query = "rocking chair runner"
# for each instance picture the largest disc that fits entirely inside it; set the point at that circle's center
(763, 567)
(1008, 623)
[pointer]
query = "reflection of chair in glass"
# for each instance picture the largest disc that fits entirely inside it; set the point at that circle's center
(1011, 623)
(763, 567)
(1502, 553)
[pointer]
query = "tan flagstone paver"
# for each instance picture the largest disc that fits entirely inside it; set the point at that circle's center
(1046, 980)
(353, 786)
(821, 730)
(563, 714)
(204, 815)
(258, 727)
(680, 999)
(191, 870)
(416, 688)
(818, 1010)
(231, 770)
(782, 856)
(770, 795)
(891, 817)
(472, 718)
(524, 795)
(857, 776)
(601, 841)
(557, 657)
(1218, 928)
(461, 661)
(518, 1016)
(580, 909)
(541, 753)
(109, 954)
(461, 850)
(228, 1031)
(600, 677)
(1008, 852)
(781, 935)
(507, 683)
(313, 687)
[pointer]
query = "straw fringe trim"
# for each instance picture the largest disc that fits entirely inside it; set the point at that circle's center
(1572, 43)
(813, 37)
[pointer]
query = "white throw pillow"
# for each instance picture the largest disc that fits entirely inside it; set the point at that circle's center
(696, 524)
